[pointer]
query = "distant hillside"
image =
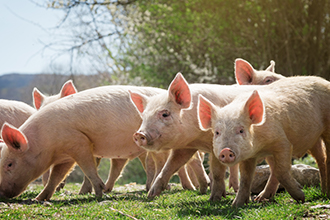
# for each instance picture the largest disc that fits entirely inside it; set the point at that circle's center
(20, 86)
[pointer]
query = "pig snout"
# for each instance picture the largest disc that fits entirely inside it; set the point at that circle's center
(140, 139)
(227, 156)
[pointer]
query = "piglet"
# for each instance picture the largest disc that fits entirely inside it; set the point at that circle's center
(246, 75)
(280, 121)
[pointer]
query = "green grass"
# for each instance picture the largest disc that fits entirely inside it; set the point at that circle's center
(131, 201)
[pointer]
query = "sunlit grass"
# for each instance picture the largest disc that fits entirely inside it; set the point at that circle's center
(130, 201)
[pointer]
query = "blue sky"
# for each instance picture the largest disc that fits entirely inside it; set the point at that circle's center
(24, 26)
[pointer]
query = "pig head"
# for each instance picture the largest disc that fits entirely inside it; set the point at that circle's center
(15, 151)
(246, 75)
(161, 122)
(230, 137)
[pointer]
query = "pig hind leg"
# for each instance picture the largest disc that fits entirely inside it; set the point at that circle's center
(326, 140)
(58, 173)
(282, 171)
(318, 152)
(185, 178)
(116, 167)
(85, 160)
(196, 164)
(87, 186)
(271, 185)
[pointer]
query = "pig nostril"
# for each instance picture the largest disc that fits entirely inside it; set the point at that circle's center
(142, 138)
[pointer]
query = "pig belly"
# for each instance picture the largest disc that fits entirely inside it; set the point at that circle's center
(301, 148)
(129, 151)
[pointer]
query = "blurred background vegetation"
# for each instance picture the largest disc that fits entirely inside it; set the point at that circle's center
(146, 42)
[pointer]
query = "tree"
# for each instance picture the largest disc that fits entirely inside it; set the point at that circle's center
(150, 41)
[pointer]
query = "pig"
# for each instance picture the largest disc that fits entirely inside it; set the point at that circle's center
(117, 165)
(68, 131)
(169, 121)
(280, 121)
(247, 75)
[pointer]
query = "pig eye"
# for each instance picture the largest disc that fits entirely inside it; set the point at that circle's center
(165, 114)
(10, 165)
(241, 131)
(217, 133)
(268, 80)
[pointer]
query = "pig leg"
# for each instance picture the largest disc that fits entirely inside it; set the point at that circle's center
(58, 173)
(282, 171)
(192, 175)
(185, 179)
(177, 159)
(233, 178)
(246, 168)
(218, 172)
(272, 183)
(87, 185)
(196, 164)
(318, 152)
(116, 167)
(85, 160)
(327, 145)
(45, 177)
(150, 168)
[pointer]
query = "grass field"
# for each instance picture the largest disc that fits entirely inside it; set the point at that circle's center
(130, 202)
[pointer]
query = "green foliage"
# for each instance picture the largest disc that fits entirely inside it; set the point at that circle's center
(131, 201)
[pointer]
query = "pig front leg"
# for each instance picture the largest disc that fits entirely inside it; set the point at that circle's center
(247, 168)
(272, 183)
(58, 173)
(87, 185)
(233, 178)
(218, 172)
(116, 167)
(177, 159)
(150, 169)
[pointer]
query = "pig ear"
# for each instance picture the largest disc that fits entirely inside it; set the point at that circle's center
(68, 89)
(13, 138)
(38, 98)
(271, 67)
(255, 108)
(204, 112)
(179, 91)
(244, 72)
(138, 100)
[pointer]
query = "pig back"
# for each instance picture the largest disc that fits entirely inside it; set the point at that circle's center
(105, 115)
(296, 108)
(14, 112)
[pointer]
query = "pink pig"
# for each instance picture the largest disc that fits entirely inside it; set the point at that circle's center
(170, 122)
(152, 163)
(67, 131)
(280, 121)
(245, 75)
